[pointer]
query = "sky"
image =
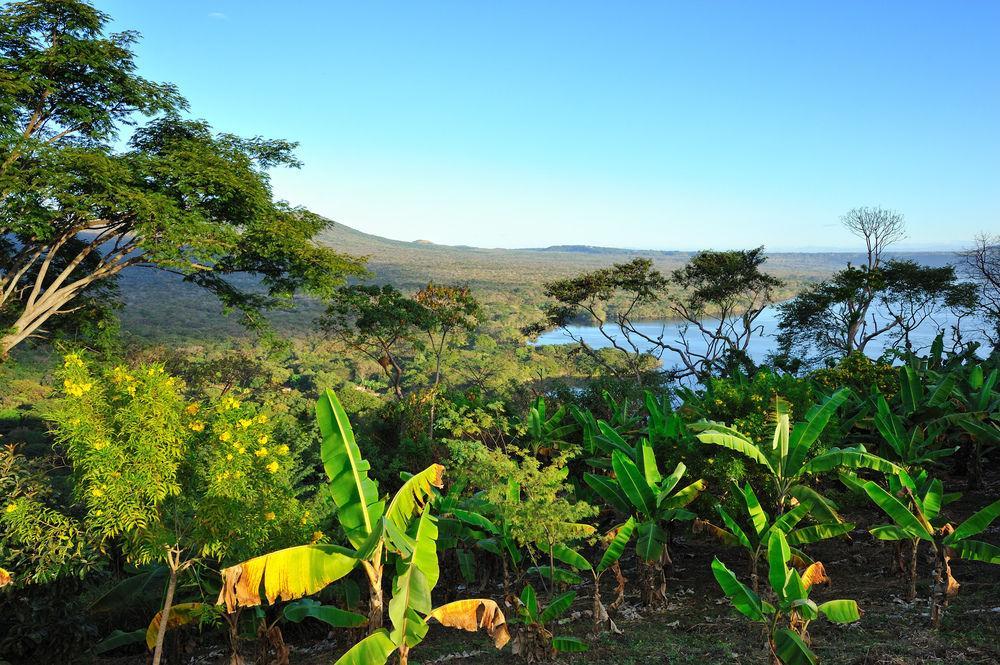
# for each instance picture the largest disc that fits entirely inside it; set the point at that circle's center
(660, 125)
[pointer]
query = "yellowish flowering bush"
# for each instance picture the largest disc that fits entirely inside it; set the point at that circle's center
(154, 469)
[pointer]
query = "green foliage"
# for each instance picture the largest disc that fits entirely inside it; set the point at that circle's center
(787, 459)
(790, 591)
(74, 212)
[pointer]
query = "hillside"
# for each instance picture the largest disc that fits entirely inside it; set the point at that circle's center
(161, 307)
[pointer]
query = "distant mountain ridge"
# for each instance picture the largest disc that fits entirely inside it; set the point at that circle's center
(159, 305)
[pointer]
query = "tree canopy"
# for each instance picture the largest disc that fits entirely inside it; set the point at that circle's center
(75, 210)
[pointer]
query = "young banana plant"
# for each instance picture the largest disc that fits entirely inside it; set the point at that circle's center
(978, 399)
(922, 484)
(790, 591)
(787, 458)
(919, 518)
(654, 502)
(546, 434)
(753, 531)
(410, 607)
(367, 521)
(488, 532)
(617, 540)
(534, 641)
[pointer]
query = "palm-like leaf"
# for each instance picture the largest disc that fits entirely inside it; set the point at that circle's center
(286, 574)
(354, 493)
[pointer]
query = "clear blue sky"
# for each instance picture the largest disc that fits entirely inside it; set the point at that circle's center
(661, 124)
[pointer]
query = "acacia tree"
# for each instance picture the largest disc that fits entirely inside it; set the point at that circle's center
(982, 268)
(380, 322)
(75, 212)
(450, 309)
(723, 295)
(726, 292)
(609, 297)
(881, 298)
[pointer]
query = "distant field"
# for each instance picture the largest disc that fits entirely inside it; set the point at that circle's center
(159, 307)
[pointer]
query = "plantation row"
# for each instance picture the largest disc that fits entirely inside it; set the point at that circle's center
(533, 522)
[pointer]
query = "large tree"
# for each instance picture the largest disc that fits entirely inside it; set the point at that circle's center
(724, 294)
(982, 268)
(883, 298)
(719, 297)
(75, 211)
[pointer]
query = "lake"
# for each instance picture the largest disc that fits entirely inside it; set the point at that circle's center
(760, 345)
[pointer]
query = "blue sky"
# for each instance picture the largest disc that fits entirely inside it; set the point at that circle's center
(661, 125)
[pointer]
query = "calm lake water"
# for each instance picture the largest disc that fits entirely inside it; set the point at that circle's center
(760, 345)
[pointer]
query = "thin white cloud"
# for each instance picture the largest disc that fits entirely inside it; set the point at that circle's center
(218, 16)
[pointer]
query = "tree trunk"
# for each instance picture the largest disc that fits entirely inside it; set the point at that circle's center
(168, 602)
(654, 580)
(233, 622)
(939, 591)
(912, 572)
(375, 604)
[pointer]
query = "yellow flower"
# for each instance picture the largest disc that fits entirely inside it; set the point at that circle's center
(229, 403)
(192, 409)
(225, 436)
(262, 452)
(100, 445)
(11, 507)
(269, 516)
(241, 450)
(262, 440)
(317, 536)
(237, 474)
(73, 360)
(262, 418)
(244, 423)
(197, 426)
(97, 492)
(229, 457)
(272, 467)
(282, 449)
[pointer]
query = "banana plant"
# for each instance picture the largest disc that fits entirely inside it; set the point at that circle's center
(369, 523)
(790, 591)
(978, 400)
(478, 525)
(534, 642)
(921, 485)
(910, 448)
(546, 434)
(919, 518)
(654, 502)
(410, 608)
(616, 541)
(753, 531)
(787, 459)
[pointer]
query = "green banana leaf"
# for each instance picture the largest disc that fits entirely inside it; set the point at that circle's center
(353, 492)
(373, 650)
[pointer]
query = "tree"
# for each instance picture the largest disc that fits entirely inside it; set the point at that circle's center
(449, 309)
(982, 268)
(856, 306)
(158, 479)
(725, 294)
(878, 227)
(377, 321)
(75, 212)
(609, 297)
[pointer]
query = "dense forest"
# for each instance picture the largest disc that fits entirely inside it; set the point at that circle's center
(234, 431)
